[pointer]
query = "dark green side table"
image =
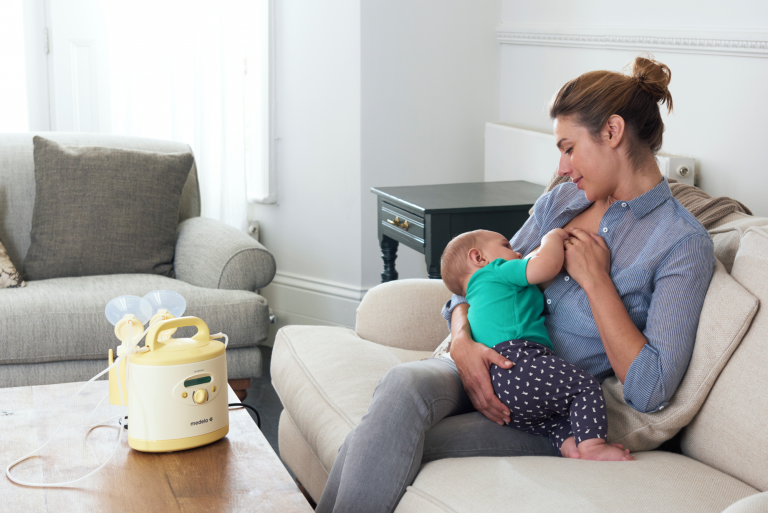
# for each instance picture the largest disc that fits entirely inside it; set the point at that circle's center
(426, 217)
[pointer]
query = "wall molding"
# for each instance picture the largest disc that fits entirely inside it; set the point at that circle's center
(708, 41)
(331, 288)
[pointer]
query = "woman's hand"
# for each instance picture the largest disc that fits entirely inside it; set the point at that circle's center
(588, 261)
(587, 258)
(473, 361)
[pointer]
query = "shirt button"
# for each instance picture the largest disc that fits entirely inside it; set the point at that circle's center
(605, 229)
(567, 278)
(549, 301)
(661, 407)
(624, 205)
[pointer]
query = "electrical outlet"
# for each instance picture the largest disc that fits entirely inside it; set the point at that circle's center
(682, 169)
(254, 230)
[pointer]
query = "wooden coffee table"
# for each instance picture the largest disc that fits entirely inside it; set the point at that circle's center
(241, 472)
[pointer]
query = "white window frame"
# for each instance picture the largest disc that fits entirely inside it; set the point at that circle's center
(261, 175)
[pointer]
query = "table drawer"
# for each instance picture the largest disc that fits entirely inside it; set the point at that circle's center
(401, 225)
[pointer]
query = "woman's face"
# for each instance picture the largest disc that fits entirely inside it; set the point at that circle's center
(590, 163)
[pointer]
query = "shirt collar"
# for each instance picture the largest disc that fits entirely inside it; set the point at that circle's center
(648, 201)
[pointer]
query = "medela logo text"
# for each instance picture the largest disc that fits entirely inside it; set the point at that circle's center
(204, 421)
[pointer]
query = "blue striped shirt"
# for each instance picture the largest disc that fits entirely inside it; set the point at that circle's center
(662, 260)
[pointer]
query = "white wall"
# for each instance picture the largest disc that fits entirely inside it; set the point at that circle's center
(429, 84)
(720, 100)
(374, 93)
(656, 13)
(395, 92)
(314, 230)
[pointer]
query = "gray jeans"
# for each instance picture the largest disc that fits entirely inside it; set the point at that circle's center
(419, 413)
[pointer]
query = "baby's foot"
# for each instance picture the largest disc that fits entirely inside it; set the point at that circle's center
(597, 449)
(569, 450)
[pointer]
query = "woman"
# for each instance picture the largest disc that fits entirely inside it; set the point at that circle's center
(637, 269)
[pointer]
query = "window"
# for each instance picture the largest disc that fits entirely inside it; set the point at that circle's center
(194, 71)
(199, 72)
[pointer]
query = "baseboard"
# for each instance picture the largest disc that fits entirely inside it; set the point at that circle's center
(327, 287)
(296, 299)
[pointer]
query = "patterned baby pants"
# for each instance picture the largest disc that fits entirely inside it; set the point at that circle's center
(547, 395)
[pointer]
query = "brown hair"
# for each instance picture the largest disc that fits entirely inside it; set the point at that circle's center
(594, 97)
(453, 262)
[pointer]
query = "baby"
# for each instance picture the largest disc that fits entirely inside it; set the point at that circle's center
(545, 394)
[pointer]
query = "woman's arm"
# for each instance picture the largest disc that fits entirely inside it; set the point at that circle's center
(680, 287)
(473, 361)
(588, 261)
(652, 363)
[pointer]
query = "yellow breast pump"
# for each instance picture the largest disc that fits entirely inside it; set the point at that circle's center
(175, 388)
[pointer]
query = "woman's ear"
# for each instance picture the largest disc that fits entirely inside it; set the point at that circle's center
(613, 131)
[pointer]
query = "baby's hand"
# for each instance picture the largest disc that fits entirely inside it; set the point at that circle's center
(560, 233)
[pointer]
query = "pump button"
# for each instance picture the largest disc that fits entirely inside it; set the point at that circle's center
(201, 396)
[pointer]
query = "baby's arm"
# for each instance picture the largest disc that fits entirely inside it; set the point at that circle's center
(547, 261)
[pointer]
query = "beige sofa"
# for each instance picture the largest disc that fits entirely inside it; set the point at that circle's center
(325, 377)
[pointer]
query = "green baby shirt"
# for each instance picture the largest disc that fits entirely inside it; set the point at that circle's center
(503, 306)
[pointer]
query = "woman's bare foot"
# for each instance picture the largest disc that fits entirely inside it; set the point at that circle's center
(597, 449)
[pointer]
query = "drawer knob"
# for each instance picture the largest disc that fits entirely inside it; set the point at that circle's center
(400, 224)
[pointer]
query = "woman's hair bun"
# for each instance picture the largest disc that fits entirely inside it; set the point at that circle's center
(653, 77)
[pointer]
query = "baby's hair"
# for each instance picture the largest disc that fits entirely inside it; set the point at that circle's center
(453, 262)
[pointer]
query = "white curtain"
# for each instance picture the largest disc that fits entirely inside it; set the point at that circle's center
(13, 85)
(178, 71)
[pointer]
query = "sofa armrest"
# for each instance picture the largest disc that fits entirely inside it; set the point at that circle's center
(217, 256)
(404, 314)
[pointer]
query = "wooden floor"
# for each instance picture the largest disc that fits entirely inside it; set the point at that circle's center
(238, 473)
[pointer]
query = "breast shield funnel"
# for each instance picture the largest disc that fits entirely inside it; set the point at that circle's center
(128, 314)
(165, 304)
(128, 311)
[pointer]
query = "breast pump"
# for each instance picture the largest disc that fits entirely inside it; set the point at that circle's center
(175, 389)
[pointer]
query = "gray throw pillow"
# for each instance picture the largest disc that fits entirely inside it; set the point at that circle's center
(104, 211)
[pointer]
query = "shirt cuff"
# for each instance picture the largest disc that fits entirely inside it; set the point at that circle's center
(644, 387)
(450, 305)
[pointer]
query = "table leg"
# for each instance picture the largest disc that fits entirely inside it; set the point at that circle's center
(388, 254)
(433, 272)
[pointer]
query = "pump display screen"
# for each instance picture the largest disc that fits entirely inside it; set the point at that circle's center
(197, 381)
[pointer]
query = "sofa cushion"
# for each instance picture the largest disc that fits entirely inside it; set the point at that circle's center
(17, 180)
(104, 211)
(325, 377)
(242, 362)
(9, 276)
(730, 429)
(727, 236)
(63, 319)
(725, 317)
(657, 481)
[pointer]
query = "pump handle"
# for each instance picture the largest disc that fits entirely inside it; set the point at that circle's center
(203, 335)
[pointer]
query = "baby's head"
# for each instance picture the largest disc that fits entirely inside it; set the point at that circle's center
(468, 252)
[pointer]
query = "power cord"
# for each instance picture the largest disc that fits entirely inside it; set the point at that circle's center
(258, 417)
